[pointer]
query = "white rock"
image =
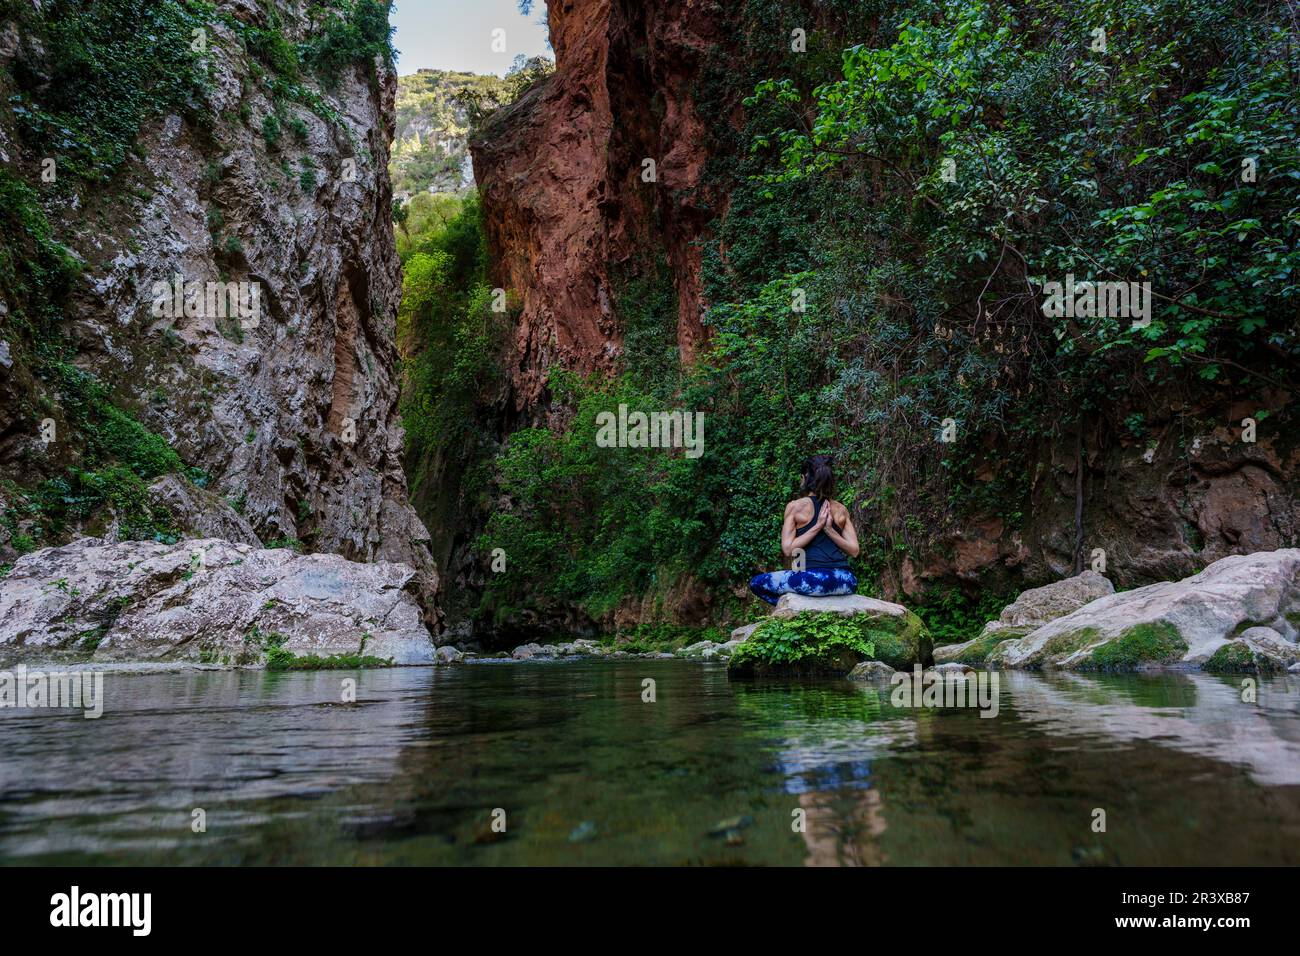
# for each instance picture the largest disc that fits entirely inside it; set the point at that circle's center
(791, 604)
(1031, 610)
(204, 600)
(1237, 595)
(953, 668)
(447, 655)
(722, 651)
(1039, 605)
(697, 649)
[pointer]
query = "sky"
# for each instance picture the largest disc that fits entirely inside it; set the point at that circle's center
(457, 34)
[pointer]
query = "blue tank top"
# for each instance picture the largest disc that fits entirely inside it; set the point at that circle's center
(821, 551)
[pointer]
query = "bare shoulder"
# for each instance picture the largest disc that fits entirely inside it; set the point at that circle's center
(798, 508)
(839, 512)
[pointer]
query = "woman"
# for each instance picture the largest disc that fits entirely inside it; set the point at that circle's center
(822, 529)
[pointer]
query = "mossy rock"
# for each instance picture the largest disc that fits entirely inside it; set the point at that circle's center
(1063, 645)
(900, 645)
(1143, 644)
(1236, 657)
(976, 652)
(832, 643)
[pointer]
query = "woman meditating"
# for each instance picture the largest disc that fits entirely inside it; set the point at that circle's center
(822, 529)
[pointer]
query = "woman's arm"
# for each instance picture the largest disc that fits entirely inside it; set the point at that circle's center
(846, 540)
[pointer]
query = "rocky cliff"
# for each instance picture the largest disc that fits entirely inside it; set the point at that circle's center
(155, 153)
(590, 176)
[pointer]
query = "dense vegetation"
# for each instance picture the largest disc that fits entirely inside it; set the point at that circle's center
(923, 284)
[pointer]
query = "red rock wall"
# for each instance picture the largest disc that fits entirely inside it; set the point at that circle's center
(560, 175)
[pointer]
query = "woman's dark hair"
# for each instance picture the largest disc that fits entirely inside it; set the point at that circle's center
(818, 477)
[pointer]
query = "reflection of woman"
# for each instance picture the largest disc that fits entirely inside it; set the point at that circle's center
(822, 529)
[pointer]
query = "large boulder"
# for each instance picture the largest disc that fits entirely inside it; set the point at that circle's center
(1037, 606)
(206, 601)
(1240, 613)
(804, 637)
(200, 513)
(1030, 611)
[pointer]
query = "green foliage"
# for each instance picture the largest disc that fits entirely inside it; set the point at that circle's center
(804, 638)
(111, 434)
(90, 74)
(288, 544)
(77, 496)
(586, 525)
(36, 272)
(271, 130)
(952, 616)
(446, 329)
(648, 306)
(1119, 166)
(354, 32)
(279, 658)
(307, 174)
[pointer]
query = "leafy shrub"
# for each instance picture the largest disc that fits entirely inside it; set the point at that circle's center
(807, 642)
(355, 33)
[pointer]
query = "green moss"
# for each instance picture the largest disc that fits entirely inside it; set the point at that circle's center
(1238, 657)
(900, 645)
(282, 660)
(986, 644)
(1063, 645)
(279, 658)
(1155, 643)
(290, 544)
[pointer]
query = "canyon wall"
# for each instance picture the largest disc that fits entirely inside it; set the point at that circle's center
(278, 180)
(563, 172)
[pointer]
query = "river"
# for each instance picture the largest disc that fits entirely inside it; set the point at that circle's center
(566, 763)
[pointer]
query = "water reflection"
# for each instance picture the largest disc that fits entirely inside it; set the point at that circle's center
(713, 772)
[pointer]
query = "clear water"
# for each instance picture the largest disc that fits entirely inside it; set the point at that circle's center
(710, 773)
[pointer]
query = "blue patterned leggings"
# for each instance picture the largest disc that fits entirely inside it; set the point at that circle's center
(815, 582)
